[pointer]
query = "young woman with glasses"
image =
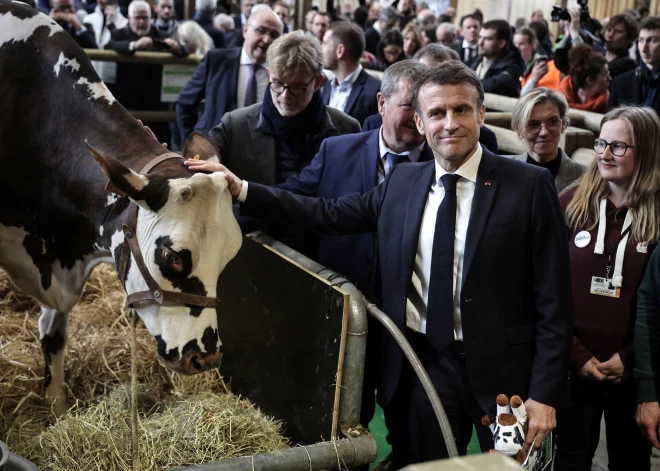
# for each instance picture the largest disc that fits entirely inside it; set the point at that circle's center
(613, 218)
(539, 119)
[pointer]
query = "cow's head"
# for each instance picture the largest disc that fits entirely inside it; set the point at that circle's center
(187, 234)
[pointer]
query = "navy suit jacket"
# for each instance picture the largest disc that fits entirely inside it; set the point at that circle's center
(516, 301)
(216, 80)
(345, 164)
(487, 137)
(362, 101)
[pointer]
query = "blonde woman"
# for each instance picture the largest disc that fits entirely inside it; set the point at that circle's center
(195, 38)
(412, 40)
(613, 217)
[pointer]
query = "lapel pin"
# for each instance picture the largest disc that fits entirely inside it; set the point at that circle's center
(487, 183)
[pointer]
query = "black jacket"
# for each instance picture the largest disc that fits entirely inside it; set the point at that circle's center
(86, 39)
(371, 40)
(207, 25)
(503, 77)
(629, 88)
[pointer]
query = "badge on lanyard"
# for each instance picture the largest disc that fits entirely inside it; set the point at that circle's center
(603, 287)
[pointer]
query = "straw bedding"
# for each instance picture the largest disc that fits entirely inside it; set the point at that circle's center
(183, 419)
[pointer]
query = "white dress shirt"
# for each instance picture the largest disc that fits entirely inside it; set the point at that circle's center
(484, 67)
(466, 47)
(383, 165)
(244, 73)
(339, 93)
(419, 295)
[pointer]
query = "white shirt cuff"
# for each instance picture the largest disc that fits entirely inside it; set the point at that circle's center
(243, 194)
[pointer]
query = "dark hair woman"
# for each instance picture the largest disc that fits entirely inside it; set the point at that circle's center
(389, 50)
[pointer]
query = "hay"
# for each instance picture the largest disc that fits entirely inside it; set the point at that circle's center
(97, 361)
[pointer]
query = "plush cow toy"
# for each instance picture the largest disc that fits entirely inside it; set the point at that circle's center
(509, 428)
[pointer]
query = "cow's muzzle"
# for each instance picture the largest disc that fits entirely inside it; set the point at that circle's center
(194, 363)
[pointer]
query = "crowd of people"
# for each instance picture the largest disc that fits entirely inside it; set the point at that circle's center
(506, 273)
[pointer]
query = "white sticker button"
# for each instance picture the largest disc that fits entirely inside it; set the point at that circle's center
(582, 239)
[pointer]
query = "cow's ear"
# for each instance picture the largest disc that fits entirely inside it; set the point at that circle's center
(200, 147)
(122, 180)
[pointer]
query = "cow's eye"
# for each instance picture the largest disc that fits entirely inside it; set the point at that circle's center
(172, 259)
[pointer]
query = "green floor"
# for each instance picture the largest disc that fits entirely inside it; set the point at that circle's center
(379, 431)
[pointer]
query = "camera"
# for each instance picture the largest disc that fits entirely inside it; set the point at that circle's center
(559, 13)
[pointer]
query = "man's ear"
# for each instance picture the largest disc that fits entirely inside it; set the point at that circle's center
(200, 147)
(419, 122)
(482, 114)
(318, 82)
(245, 27)
(380, 98)
(341, 50)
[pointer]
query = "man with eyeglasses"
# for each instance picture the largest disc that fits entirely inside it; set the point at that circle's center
(229, 78)
(64, 13)
(271, 141)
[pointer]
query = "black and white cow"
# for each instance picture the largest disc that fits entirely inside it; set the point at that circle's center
(57, 222)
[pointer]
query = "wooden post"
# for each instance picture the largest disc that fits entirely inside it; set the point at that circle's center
(302, 7)
(188, 9)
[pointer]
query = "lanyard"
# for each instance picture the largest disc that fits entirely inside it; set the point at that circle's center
(617, 278)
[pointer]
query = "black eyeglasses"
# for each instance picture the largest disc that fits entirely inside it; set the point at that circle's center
(617, 148)
(553, 124)
(265, 32)
(295, 90)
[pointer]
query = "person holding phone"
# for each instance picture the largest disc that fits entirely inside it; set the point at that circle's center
(539, 70)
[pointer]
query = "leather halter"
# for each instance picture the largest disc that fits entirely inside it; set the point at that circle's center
(130, 246)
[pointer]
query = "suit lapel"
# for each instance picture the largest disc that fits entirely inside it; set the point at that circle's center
(420, 186)
(235, 61)
(370, 161)
(264, 148)
(484, 195)
(356, 89)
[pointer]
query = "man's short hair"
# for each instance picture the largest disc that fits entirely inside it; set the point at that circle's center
(449, 27)
(530, 35)
(323, 13)
(437, 52)
(449, 73)
(280, 4)
(650, 22)
(223, 19)
(263, 7)
(444, 18)
(351, 36)
(136, 4)
(469, 17)
(293, 52)
(630, 23)
(205, 5)
(501, 27)
(388, 14)
(409, 70)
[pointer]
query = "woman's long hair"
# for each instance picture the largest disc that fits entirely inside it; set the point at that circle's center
(644, 189)
(392, 37)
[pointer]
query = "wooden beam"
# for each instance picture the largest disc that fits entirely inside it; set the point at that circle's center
(106, 55)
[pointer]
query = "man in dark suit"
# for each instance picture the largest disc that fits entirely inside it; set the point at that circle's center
(474, 267)
(387, 19)
(246, 11)
(467, 45)
(204, 10)
(353, 90)
(229, 78)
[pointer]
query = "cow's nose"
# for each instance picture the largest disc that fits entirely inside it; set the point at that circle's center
(199, 362)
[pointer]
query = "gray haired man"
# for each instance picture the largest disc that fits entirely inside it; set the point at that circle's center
(387, 19)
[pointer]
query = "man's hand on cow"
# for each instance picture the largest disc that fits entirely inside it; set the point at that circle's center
(648, 419)
(613, 369)
(541, 420)
(145, 42)
(174, 46)
(590, 371)
(235, 183)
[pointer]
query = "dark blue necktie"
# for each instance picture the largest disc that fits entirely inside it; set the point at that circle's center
(440, 307)
(251, 91)
(393, 159)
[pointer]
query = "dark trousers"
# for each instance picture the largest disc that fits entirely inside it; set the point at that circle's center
(413, 429)
(578, 427)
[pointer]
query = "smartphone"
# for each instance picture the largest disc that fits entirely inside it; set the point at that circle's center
(160, 45)
(541, 59)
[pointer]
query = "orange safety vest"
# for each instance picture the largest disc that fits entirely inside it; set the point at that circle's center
(550, 80)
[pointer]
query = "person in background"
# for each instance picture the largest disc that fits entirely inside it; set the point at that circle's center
(204, 10)
(246, 11)
(428, 35)
(586, 85)
(390, 50)
(281, 9)
(224, 23)
(540, 29)
(165, 18)
(412, 40)
(537, 15)
(64, 13)
(106, 14)
(408, 10)
(387, 18)
(445, 34)
(640, 86)
(468, 44)
(539, 118)
(352, 90)
(320, 25)
(620, 35)
(309, 20)
(195, 38)
(612, 215)
(426, 17)
(540, 70)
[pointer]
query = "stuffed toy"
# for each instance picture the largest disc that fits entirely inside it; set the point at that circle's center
(510, 427)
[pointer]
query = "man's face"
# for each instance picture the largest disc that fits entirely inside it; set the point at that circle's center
(298, 91)
(399, 126)
(408, 6)
(537, 15)
(246, 7)
(649, 46)
(63, 6)
(470, 30)
(259, 33)
(309, 20)
(140, 21)
(165, 10)
(330, 59)
(444, 37)
(320, 26)
(489, 45)
(282, 12)
(524, 45)
(615, 37)
(450, 119)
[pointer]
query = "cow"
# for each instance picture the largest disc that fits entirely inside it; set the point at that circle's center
(64, 139)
